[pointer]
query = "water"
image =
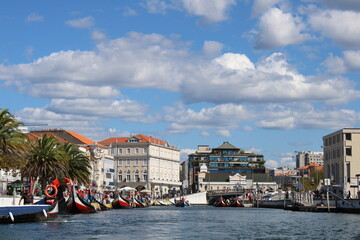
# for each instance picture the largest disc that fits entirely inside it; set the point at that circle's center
(195, 222)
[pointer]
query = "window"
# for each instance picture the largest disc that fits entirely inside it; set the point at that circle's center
(119, 163)
(145, 176)
(145, 151)
(108, 175)
(348, 151)
(144, 162)
(348, 136)
(120, 177)
(137, 178)
(136, 150)
(128, 162)
(112, 151)
(136, 162)
(128, 176)
(128, 151)
(119, 151)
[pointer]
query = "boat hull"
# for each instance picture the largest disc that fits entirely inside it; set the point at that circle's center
(119, 203)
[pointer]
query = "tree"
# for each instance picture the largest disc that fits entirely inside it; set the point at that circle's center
(45, 162)
(78, 165)
(13, 144)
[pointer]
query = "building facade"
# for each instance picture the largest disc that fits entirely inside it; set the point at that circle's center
(304, 158)
(342, 160)
(144, 162)
(223, 159)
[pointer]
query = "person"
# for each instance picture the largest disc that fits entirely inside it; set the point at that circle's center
(28, 198)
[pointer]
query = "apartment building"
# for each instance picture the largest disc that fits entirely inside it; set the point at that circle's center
(304, 158)
(145, 162)
(342, 160)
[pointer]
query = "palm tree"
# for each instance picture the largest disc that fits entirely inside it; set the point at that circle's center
(45, 162)
(78, 164)
(13, 143)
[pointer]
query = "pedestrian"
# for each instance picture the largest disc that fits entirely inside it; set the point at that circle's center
(28, 198)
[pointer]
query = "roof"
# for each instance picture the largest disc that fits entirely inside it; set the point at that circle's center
(227, 145)
(224, 177)
(312, 165)
(141, 138)
(80, 138)
(37, 135)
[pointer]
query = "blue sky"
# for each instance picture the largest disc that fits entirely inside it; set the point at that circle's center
(269, 76)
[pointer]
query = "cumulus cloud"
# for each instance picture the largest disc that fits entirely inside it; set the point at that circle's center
(98, 35)
(348, 63)
(224, 133)
(159, 6)
(230, 78)
(185, 152)
(271, 164)
(124, 109)
(220, 117)
(286, 118)
(85, 22)
(278, 29)
(331, 24)
(210, 10)
(34, 17)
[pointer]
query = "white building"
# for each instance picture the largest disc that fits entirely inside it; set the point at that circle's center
(144, 162)
(304, 158)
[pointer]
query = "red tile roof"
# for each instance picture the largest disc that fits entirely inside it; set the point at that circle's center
(80, 138)
(37, 135)
(143, 139)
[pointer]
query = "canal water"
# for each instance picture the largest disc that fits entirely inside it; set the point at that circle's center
(195, 222)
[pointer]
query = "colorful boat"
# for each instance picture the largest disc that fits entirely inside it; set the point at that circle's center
(75, 204)
(138, 204)
(182, 203)
(28, 213)
(220, 203)
(120, 202)
(236, 203)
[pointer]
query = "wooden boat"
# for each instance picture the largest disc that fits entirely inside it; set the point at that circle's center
(220, 203)
(182, 203)
(28, 213)
(75, 204)
(236, 203)
(138, 204)
(120, 202)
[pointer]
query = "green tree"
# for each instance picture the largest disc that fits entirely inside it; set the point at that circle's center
(13, 144)
(78, 164)
(45, 162)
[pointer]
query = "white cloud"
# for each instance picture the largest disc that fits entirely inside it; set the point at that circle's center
(224, 133)
(34, 17)
(205, 134)
(125, 109)
(159, 6)
(261, 6)
(212, 48)
(85, 22)
(211, 10)
(271, 164)
(341, 26)
(278, 29)
(185, 152)
(235, 61)
(297, 117)
(98, 35)
(70, 90)
(226, 116)
(350, 62)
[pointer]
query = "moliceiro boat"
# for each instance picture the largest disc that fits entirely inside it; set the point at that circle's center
(75, 204)
(28, 213)
(182, 203)
(120, 202)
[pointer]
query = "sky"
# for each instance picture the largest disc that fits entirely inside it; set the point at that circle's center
(269, 76)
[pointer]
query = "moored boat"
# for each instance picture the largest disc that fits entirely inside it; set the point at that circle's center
(236, 203)
(75, 204)
(220, 203)
(120, 202)
(28, 213)
(182, 203)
